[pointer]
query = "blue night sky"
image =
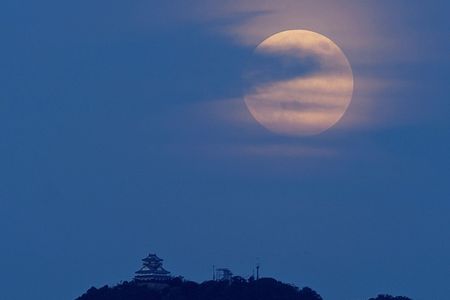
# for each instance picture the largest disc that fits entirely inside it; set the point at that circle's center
(124, 131)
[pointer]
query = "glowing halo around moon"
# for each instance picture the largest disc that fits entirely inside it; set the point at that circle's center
(299, 83)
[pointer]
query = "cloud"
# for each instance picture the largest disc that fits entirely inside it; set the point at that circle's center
(375, 36)
(344, 21)
(361, 30)
(299, 103)
(304, 105)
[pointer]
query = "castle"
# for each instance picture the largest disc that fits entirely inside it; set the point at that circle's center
(152, 271)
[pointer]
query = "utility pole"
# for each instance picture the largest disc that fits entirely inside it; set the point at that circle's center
(257, 269)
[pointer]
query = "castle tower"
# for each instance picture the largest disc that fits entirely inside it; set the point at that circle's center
(152, 270)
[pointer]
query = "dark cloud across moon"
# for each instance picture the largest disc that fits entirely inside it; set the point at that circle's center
(299, 83)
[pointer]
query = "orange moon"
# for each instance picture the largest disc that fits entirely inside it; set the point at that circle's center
(300, 83)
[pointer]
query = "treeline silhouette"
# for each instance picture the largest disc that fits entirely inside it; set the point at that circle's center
(236, 289)
(389, 297)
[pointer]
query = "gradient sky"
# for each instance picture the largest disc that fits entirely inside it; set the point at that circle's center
(124, 131)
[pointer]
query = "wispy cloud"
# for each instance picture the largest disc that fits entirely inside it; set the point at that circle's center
(359, 29)
(301, 105)
(372, 40)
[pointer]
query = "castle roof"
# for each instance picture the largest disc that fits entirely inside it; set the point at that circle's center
(148, 271)
(152, 257)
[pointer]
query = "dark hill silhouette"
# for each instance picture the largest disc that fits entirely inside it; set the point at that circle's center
(389, 297)
(238, 289)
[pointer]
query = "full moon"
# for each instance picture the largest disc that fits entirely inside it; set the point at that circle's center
(299, 83)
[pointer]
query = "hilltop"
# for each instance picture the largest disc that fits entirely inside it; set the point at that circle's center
(236, 289)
